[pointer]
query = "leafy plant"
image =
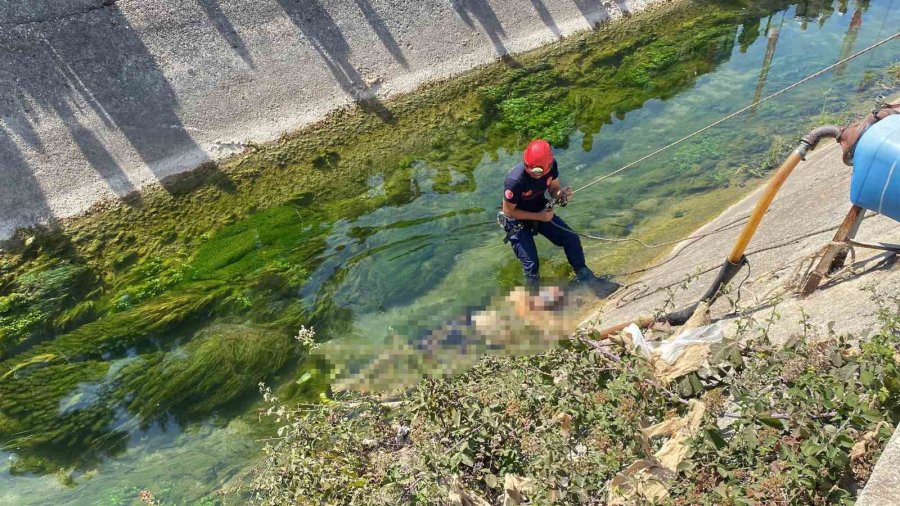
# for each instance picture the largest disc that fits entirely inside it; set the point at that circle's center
(798, 424)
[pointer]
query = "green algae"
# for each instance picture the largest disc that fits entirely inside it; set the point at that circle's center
(116, 332)
(223, 362)
(35, 360)
(36, 381)
(46, 410)
(34, 305)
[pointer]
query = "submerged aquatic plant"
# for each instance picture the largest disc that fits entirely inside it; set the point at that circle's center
(57, 395)
(55, 406)
(220, 364)
(116, 332)
(34, 306)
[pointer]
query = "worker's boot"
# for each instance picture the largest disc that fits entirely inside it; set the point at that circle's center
(532, 284)
(602, 287)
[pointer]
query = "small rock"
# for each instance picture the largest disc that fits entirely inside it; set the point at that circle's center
(402, 436)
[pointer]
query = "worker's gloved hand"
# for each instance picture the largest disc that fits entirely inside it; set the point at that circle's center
(565, 194)
(546, 215)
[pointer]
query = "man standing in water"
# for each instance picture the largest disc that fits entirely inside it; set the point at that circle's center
(525, 213)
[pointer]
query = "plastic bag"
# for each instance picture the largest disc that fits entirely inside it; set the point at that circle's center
(686, 352)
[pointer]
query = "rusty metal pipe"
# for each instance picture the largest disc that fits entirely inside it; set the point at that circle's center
(811, 139)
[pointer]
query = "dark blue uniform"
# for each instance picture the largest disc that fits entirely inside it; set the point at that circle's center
(528, 194)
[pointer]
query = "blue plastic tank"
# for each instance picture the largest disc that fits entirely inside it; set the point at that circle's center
(875, 183)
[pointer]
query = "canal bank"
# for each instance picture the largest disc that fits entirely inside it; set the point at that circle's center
(101, 98)
(799, 224)
(851, 304)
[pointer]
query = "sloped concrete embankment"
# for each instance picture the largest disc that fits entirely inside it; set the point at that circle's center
(101, 97)
(800, 222)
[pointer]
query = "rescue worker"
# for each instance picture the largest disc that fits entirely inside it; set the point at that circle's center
(525, 214)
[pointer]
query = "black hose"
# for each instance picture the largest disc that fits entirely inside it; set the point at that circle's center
(726, 274)
(729, 268)
(681, 316)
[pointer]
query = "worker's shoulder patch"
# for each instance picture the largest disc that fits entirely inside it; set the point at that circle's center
(508, 194)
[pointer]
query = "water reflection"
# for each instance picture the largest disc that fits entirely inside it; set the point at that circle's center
(772, 33)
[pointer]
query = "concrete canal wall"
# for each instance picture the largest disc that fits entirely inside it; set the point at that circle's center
(99, 98)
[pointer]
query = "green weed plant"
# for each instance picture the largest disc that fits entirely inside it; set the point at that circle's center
(785, 428)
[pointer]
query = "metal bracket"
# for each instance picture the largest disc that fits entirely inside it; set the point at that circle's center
(883, 246)
(835, 253)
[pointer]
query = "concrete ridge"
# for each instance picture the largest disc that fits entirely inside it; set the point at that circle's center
(883, 487)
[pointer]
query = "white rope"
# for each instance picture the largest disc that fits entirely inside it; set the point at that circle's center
(741, 111)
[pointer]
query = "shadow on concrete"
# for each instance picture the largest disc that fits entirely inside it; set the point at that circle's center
(546, 17)
(218, 18)
(879, 263)
(883, 262)
(22, 199)
(23, 128)
(623, 8)
(99, 157)
(84, 66)
(382, 31)
(593, 11)
(471, 11)
(321, 31)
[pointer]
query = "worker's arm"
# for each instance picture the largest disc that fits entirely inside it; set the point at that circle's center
(555, 189)
(512, 211)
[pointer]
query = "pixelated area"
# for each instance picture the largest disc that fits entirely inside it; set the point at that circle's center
(521, 322)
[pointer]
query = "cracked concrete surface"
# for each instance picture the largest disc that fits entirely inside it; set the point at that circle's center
(99, 98)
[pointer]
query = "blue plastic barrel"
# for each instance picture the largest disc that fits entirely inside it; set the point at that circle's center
(875, 183)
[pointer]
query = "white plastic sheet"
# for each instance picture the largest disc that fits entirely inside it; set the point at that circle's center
(683, 353)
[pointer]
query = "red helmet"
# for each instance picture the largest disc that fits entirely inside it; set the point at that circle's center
(538, 154)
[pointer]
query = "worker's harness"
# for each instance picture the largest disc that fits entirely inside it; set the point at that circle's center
(513, 226)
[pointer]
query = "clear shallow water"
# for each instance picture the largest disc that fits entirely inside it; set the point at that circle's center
(417, 247)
